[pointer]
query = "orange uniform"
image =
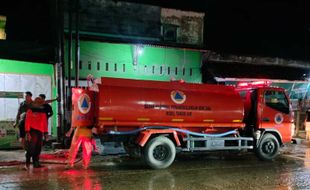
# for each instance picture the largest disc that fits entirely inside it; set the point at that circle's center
(35, 126)
(82, 136)
(36, 120)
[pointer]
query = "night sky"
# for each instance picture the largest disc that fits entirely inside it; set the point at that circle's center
(271, 29)
(27, 20)
(264, 28)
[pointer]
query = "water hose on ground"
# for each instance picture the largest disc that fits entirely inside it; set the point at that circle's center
(175, 129)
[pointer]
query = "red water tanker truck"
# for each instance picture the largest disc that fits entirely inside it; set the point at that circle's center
(155, 119)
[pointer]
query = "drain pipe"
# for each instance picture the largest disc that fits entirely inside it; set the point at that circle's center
(77, 43)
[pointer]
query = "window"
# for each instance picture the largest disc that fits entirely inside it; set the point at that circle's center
(89, 65)
(153, 69)
(124, 68)
(115, 67)
(2, 27)
(276, 100)
(169, 32)
(183, 71)
(98, 66)
(168, 70)
(106, 66)
(176, 71)
(190, 72)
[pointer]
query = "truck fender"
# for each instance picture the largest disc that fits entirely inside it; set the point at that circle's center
(144, 136)
(275, 132)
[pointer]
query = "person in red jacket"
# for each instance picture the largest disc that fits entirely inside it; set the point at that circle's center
(35, 127)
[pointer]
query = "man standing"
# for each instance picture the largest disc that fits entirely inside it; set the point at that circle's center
(35, 127)
(48, 108)
(21, 115)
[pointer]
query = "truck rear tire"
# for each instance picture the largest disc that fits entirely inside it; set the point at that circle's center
(268, 147)
(159, 152)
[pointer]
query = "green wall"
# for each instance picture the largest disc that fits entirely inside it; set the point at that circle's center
(22, 67)
(155, 63)
(117, 60)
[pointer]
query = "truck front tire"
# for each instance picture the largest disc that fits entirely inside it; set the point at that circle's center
(268, 147)
(159, 152)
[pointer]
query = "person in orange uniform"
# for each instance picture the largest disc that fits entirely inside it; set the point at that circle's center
(35, 127)
(82, 135)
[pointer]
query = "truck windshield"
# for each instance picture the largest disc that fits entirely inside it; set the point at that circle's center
(276, 100)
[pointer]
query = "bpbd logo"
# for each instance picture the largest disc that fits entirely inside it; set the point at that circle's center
(178, 97)
(278, 119)
(84, 103)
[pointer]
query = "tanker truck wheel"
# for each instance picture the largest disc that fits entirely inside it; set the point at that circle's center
(268, 147)
(159, 152)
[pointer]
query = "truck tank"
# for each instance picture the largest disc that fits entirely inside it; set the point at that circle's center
(127, 102)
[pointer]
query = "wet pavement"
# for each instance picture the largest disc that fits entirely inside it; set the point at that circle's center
(290, 170)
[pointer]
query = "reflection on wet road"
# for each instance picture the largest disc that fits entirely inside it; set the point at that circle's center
(200, 171)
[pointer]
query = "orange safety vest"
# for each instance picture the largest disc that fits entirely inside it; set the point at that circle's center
(36, 120)
(83, 132)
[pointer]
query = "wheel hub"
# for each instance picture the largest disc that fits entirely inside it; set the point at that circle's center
(160, 152)
(269, 147)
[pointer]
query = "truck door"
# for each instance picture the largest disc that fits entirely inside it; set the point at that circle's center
(275, 112)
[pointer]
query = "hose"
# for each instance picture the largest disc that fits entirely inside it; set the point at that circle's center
(175, 129)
